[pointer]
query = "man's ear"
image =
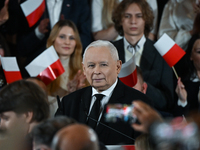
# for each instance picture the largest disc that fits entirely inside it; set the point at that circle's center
(144, 87)
(29, 116)
(83, 68)
(119, 66)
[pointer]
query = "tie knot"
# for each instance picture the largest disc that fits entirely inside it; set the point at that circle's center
(99, 96)
(130, 48)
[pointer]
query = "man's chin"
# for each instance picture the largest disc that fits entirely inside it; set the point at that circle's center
(99, 87)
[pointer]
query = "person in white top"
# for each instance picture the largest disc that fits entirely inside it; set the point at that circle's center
(177, 21)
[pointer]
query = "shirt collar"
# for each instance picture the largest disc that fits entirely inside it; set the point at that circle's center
(107, 92)
(140, 43)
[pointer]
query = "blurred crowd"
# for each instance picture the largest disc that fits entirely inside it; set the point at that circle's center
(93, 39)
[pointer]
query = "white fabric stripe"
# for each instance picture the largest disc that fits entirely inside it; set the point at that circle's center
(164, 44)
(9, 63)
(30, 5)
(41, 62)
(127, 68)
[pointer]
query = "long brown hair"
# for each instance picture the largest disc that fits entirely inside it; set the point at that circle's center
(75, 62)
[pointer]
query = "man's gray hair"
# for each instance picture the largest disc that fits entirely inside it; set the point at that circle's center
(101, 43)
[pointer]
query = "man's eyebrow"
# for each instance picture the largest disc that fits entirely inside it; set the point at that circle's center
(104, 62)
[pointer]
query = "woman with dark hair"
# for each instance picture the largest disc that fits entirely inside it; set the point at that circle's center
(188, 89)
(65, 38)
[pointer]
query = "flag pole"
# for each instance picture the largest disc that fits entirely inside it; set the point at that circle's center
(175, 72)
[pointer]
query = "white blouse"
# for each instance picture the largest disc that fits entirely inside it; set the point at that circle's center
(177, 21)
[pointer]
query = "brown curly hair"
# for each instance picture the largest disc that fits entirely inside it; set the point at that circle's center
(147, 13)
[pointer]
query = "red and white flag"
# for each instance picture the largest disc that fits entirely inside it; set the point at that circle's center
(128, 73)
(10, 69)
(46, 66)
(169, 50)
(33, 10)
(121, 147)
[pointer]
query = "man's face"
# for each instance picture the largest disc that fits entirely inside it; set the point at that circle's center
(100, 69)
(12, 123)
(133, 23)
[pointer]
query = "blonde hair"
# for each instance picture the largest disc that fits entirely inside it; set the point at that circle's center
(108, 7)
(75, 62)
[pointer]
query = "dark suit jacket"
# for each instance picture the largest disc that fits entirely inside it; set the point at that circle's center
(77, 11)
(76, 105)
(156, 73)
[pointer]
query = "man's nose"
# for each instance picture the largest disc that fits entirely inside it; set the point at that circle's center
(97, 70)
(133, 19)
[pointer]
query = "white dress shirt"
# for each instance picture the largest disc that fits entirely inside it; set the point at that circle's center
(137, 50)
(105, 99)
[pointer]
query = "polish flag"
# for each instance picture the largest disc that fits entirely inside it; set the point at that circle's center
(169, 50)
(128, 73)
(10, 69)
(121, 147)
(46, 66)
(33, 10)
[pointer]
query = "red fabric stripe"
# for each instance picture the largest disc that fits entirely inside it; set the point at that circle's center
(51, 72)
(131, 79)
(129, 147)
(33, 17)
(12, 76)
(174, 55)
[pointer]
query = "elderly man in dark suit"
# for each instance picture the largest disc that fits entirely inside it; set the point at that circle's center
(101, 65)
(134, 21)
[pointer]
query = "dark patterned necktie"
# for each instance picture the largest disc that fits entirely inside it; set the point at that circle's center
(95, 112)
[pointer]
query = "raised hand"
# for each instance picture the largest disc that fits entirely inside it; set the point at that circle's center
(146, 116)
(180, 91)
(43, 26)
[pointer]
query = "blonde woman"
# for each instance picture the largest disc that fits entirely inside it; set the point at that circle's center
(66, 41)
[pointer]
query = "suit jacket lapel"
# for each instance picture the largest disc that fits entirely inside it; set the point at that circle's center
(120, 48)
(148, 56)
(85, 104)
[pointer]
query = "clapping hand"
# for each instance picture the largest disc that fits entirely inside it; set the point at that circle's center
(77, 82)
